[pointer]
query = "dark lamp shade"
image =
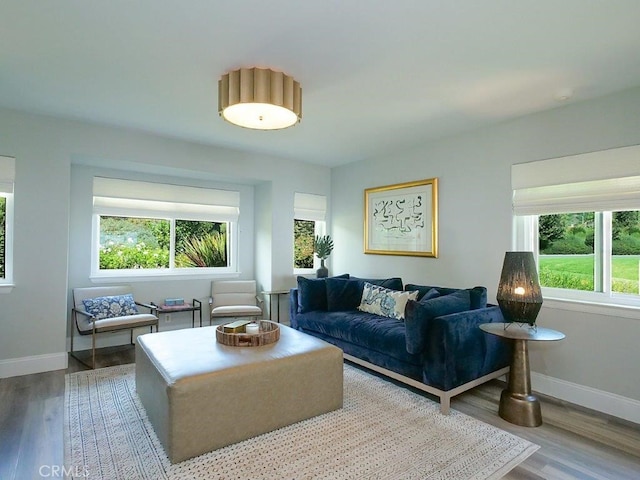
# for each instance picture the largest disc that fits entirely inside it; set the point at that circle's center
(519, 294)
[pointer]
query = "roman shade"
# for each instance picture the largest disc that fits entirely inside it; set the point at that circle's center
(607, 180)
(308, 206)
(113, 196)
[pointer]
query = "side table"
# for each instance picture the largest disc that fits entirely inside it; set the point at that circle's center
(517, 404)
(194, 307)
(270, 294)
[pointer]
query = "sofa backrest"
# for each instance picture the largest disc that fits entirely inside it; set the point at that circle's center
(339, 293)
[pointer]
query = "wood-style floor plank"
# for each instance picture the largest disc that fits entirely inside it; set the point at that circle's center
(576, 443)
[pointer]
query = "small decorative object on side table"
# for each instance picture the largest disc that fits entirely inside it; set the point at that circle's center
(517, 404)
(194, 307)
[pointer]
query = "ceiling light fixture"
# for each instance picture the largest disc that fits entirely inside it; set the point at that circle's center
(259, 98)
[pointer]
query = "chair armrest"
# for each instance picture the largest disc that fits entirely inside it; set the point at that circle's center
(151, 306)
(83, 312)
(260, 300)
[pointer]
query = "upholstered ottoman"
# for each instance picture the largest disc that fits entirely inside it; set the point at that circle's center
(201, 395)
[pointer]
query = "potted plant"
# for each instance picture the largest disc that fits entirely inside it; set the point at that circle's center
(322, 247)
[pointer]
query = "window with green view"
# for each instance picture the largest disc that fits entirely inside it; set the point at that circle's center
(590, 251)
(130, 243)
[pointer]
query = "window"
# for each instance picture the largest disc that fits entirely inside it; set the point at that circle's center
(7, 175)
(590, 252)
(585, 231)
(309, 221)
(140, 229)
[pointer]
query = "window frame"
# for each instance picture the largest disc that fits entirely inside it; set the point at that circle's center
(172, 272)
(6, 283)
(320, 229)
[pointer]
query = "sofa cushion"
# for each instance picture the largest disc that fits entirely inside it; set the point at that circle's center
(312, 293)
(110, 306)
(385, 302)
(345, 294)
(478, 294)
(366, 330)
(418, 315)
(433, 293)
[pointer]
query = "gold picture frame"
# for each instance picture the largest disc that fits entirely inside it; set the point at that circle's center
(402, 219)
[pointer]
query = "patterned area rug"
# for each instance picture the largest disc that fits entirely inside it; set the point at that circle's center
(383, 431)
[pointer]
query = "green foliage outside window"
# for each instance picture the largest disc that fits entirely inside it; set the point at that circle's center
(208, 250)
(139, 243)
(133, 243)
(303, 243)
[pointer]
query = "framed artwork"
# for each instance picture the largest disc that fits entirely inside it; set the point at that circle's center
(402, 219)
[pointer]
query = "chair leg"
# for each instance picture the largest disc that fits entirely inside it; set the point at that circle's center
(93, 350)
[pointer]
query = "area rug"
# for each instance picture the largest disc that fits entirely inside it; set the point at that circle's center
(384, 431)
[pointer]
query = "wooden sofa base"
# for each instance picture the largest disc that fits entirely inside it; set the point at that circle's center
(444, 396)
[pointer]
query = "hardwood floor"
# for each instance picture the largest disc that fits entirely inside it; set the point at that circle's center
(575, 443)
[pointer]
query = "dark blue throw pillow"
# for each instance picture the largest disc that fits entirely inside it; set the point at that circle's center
(433, 293)
(418, 314)
(478, 294)
(312, 293)
(343, 294)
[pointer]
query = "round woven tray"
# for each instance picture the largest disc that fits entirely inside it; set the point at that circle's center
(269, 333)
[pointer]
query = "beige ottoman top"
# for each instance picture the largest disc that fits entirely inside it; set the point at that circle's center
(180, 354)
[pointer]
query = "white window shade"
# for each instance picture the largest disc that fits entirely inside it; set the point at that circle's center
(600, 181)
(134, 198)
(308, 206)
(7, 174)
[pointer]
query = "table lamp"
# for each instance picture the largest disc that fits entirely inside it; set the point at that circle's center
(519, 294)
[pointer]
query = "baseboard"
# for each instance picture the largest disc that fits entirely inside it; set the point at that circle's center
(14, 367)
(599, 400)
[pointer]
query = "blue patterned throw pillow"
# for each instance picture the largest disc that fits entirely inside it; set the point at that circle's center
(111, 306)
(385, 302)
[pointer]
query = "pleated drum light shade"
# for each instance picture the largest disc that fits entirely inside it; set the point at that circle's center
(260, 99)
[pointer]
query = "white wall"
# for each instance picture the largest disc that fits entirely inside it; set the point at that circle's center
(55, 159)
(598, 361)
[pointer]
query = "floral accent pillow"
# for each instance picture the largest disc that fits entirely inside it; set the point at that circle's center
(111, 306)
(385, 302)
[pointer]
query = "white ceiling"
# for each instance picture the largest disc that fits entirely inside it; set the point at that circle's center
(376, 75)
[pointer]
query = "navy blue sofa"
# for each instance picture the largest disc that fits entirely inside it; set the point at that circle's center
(438, 347)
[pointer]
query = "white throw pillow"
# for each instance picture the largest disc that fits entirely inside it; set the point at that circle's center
(385, 302)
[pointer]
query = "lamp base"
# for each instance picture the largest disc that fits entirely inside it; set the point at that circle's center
(520, 409)
(517, 404)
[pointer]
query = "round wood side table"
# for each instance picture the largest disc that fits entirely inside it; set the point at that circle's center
(517, 404)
